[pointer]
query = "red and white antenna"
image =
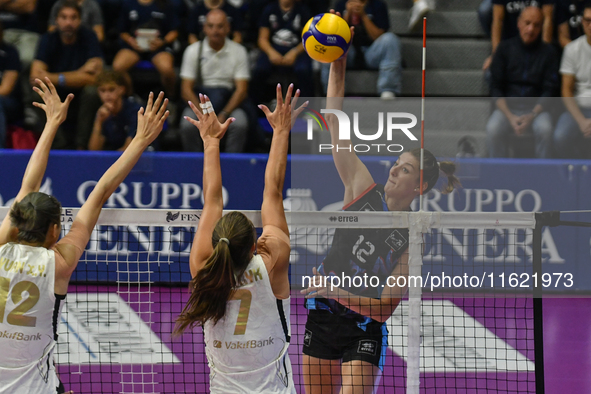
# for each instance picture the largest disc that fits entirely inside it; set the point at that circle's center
(423, 112)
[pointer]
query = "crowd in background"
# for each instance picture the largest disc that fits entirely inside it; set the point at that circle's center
(107, 53)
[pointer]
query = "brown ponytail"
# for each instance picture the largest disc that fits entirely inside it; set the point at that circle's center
(449, 168)
(33, 215)
(214, 284)
(431, 168)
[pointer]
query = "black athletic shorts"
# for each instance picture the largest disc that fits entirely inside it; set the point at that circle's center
(332, 337)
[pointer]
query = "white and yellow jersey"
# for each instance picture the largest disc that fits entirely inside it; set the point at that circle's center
(29, 315)
(247, 348)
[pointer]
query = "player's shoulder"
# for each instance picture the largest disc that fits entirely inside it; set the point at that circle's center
(273, 234)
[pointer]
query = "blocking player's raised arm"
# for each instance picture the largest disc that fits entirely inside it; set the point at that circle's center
(56, 112)
(281, 120)
(273, 245)
(211, 131)
(150, 123)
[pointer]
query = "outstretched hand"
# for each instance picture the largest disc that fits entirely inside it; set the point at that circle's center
(207, 121)
(151, 119)
(55, 109)
(285, 113)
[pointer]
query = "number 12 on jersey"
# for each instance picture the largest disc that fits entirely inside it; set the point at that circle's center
(17, 316)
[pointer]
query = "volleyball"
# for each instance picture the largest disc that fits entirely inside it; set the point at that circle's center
(326, 37)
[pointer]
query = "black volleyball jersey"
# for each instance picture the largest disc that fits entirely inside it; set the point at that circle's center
(364, 252)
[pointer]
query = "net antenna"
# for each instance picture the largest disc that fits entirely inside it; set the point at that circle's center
(415, 263)
(423, 111)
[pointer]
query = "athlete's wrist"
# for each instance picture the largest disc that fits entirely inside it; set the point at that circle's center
(52, 122)
(211, 142)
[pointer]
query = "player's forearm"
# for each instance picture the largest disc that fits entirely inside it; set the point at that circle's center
(277, 163)
(113, 177)
(335, 94)
(335, 91)
(212, 172)
(38, 161)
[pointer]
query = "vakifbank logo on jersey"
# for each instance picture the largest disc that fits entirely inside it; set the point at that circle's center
(395, 122)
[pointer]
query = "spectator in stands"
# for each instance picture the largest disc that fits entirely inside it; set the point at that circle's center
(10, 97)
(524, 74)
(71, 58)
(147, 29)
(280, 40)
(373, 46)
(418, 11)
(217, 67)
(255, 10)
(92, 17)
(20, 27)
(199, 12)
(505, 14)
(569, 15)
(115, 123)
(574, 126)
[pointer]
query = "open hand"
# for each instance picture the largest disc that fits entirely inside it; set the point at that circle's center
(55, 110)
(151, 119)
(207, 121)
(285, 114)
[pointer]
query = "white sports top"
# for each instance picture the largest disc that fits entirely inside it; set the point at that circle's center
(29, 314)
(247, 348)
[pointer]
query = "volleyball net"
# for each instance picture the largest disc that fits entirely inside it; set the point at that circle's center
(467, 323)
